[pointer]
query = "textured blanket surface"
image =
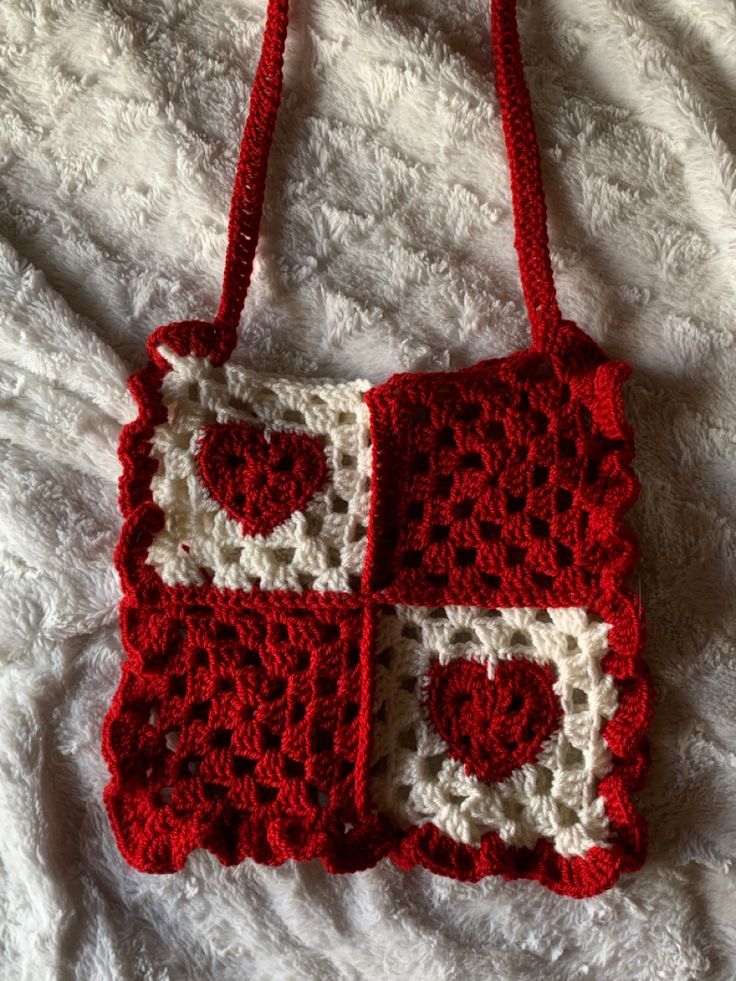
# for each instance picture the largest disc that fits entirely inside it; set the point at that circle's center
(387, 245)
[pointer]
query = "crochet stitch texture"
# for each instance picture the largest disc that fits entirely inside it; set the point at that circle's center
(366, 622)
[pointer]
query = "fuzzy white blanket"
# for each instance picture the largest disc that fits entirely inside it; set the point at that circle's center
(387, 244)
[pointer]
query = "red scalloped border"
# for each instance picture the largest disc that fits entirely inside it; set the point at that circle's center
(594, 381)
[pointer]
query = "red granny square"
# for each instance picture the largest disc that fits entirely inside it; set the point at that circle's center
(504, 483)
(241, 726)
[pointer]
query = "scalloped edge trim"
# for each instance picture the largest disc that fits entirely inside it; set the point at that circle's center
(598, 383)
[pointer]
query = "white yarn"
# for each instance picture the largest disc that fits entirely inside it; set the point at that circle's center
(321, 547)
(555, 796)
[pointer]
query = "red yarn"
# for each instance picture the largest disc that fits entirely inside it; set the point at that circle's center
(241, 725)
(250, 180)
(493, 725)
(260, 481)
(508, 481)
(243, 721)
(527, 191)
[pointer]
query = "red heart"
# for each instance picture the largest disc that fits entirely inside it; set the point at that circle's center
(260, 480)
(493, 725)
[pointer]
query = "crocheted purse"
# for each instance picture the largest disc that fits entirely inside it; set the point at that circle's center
(391, 621)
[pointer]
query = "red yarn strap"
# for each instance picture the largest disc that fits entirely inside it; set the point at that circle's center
(530, 212)
(250, 180)
(527, 190)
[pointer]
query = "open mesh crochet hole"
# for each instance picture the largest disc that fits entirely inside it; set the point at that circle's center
(199, 712)
(489, 531)
(221, 738)
(326, 686)
(314, 524)
(443, 487)
(297, 712)
(579, 699)
(266, 794)
(446, 437)
(515, 555)
(539, 527)
(544, 780)
(294, 768)
(322, 741)
(350, 713)
(471, 461)
(515, 503)
(242, 406)
(566, 816)
(572, 757)
(563, 555)
(465, 556)
(358, 533)
(464, 637)
(413, 559)
(462, 509)
(433, 764)
(408, 740)
(178, 686)
(512, 809)
(172, 740)
(270, 740)
(440, 533)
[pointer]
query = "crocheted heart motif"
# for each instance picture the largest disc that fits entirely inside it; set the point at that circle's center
(260, 480)
(493, 725)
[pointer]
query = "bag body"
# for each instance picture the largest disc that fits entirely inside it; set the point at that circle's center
(381, 621)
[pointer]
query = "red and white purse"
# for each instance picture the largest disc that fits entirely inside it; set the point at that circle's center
(366, 622)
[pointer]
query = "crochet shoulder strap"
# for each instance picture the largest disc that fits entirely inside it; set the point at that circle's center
(530, 212)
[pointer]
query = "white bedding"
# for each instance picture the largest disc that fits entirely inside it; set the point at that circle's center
(387, 244)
